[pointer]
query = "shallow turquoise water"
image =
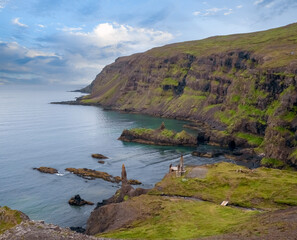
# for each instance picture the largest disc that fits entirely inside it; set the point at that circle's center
(35, 133)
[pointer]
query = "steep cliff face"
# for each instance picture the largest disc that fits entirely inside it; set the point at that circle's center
(242, 85)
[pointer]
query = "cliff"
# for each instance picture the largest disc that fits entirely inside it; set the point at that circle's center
(242, 85)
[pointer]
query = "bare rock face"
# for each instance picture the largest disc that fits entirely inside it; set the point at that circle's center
(46, 170)
(78, 201)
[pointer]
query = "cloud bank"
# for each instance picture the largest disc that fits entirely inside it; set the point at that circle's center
(78, 54)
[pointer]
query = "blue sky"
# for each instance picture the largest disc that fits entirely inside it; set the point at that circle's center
(69, 42)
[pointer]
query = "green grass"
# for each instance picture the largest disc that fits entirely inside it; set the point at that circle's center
(170, 81)
(141, 131)
(261, 188)
(181, 219)
(167, 133)
(272, 162)
(9, 218)
(251, 139)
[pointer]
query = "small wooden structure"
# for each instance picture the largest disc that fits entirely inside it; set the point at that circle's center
(179, 169)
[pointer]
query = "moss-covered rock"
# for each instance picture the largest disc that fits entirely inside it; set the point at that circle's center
(160, 136)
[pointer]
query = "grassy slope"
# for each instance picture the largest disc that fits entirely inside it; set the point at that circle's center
(175, 218)
(263, 188)
(227, 96)
(180, 219)
(273, 43)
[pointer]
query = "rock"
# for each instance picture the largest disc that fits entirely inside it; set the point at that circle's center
(101, 161)
(109, 214)
(206, 154)
(78, 201)
(99, 156)
(91, 174)
(162, 127)
(160, 136)
(134, 182)
(124, 175)
(78, 229)
(47, 170)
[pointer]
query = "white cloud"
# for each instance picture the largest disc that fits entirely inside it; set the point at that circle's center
(258, 2)
(40, 25)
(70, 29)
(229, 12)
(117, 35)
(239, 6)
(16, 21)
(79, 56)
(3, 3)
(209, 12)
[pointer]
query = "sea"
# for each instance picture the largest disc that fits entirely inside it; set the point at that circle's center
(35, 133)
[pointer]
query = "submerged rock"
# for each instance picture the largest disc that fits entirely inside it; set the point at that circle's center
(101, 162)
(78, 201)
(99, 156)
(46, 170)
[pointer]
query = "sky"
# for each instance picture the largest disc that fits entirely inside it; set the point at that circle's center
(70, 41)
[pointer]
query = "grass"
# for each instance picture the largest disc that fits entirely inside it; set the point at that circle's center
(8, 218)
(169, 81)
(272, 162)
(253, 140)
(141, 131)
(261, 188)
(181, 219)
(167, 133)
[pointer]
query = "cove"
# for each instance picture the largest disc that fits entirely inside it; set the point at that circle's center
(34, 133)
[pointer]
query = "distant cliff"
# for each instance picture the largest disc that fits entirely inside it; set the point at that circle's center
(242, 85)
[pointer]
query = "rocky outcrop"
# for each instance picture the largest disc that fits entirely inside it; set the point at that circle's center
(46, 170)
(91, 174)
(161, 136)
(78, 201)
(99, 156)
(245, 90)
(109, 214)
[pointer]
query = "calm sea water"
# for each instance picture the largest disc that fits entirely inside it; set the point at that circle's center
(34, 133)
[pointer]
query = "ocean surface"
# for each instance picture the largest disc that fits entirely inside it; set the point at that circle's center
(34, 133)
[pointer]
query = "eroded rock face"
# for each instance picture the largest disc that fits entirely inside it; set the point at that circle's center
(46, 170)
(235, 88)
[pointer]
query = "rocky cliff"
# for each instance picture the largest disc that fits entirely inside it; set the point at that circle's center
(242, 85)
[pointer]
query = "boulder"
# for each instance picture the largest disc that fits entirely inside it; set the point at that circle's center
(99, 156)
(78, 201)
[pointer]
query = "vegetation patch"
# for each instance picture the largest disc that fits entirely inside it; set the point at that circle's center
(9, 218)
(272, 162)
(262, 188)
(170, 81)
(251, 139)
(173, 218)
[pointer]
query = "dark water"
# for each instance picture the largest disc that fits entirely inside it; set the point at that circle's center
(35, 133)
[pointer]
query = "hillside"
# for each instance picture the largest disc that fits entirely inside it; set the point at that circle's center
(243, 86)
